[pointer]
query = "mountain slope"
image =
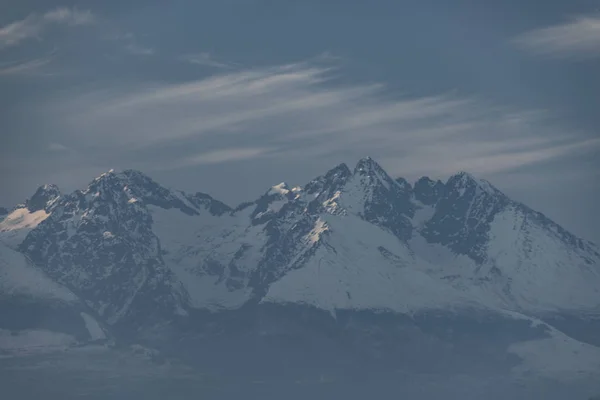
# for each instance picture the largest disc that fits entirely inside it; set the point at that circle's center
(356, 264)
(99, 243)
(131, 247)
(486, 244)
(37, 313)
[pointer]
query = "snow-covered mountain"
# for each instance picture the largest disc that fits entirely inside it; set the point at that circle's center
(349, 241)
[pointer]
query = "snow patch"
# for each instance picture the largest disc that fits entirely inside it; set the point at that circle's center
(356, 275)
(423, 213)
(277, 205)
(16, 225)
(17, 276)
(320, 227)
(191, 242)
(558, 357)
(93, 327)
(546, 273)
(281, 188)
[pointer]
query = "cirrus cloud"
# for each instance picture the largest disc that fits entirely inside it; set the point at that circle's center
(579, 37)
(34, 25)
(298, 112)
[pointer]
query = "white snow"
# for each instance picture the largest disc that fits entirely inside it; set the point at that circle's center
(557, 357)
(93, 327)
(357, 275)
(320, 228)
(355, 194)
(486, 186)
(277, 205)
(528, 268)
(18, 224)
(423, 214)
(17, 276)
(191, 241)
(546, 274)
(281, 188)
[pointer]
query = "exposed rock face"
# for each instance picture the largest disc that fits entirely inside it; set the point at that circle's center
(352, 245)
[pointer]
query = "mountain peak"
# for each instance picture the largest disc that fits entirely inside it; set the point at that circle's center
(404, 184)
(340, 170)
(428, 191)
(367, 164)
(125, 178)
(331, 181)
(281, 188)
(464, 180)
(43, 198)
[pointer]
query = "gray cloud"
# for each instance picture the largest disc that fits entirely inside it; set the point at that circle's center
(296, 112)
(34, 25)
(579, 37)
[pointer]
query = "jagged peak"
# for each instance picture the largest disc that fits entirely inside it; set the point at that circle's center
(428, 191)
(332, 179)
(404, 184)
(462, 180)
(367, 164)
(127, 177)
(281, 188)
(340, 170)
(427, 181)
(203, 200)
(368, 167)
(43, 197)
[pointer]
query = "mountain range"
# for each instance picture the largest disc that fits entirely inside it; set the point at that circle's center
(355, 260)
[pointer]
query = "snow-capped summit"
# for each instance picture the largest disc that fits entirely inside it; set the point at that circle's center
(99, 241)
(327, 185)
(43, 198)
(464, 182)
(349, 239)
(391, 263)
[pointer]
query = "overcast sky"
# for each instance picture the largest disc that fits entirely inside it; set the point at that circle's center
(230, 97)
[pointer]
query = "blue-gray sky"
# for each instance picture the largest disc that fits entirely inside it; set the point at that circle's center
(231, 96)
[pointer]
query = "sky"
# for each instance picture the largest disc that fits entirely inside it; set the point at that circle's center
(229, 97)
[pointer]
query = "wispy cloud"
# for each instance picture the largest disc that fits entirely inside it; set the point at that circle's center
(206, 60)
(296, 112)
(578, 37)
(24, 67)
(132, 45)
(34, 25)
(139, 50)
(57, 147)
(216, 157)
